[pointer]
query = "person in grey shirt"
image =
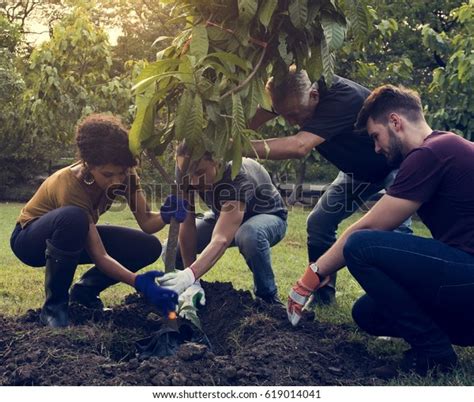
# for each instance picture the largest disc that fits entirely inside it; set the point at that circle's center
(247, 212)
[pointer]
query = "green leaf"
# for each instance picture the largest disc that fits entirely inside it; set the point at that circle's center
(156, 68)
(247, 9)
(358, 20)
(158, 143)
(252, 99)
(282, 49)
(145, 84)
(238, 125)
(219, 68)
(183, 112)
(199, 42)
(314, 66)
(144, 124)
(334, 31)
(151, 73)
(231, 58)
(160, 39)
(139, 87)
(238, 117)
(298, 10)
(263, 97)
(236, 156)
(212, 110)
(266, 11)
(195, 122)
(329, 61)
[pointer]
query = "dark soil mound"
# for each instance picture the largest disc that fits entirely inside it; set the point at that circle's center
(252, 344)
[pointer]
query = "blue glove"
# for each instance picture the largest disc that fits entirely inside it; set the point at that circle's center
(163, 299)
(174, 207)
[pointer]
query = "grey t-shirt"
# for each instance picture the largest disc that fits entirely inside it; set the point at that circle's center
(252, 186)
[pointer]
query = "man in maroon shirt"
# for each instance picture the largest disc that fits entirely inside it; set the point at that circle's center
(418, 289)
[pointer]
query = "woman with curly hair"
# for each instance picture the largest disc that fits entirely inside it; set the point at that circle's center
(58, 227)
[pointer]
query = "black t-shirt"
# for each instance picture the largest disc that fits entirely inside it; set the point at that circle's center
(334, 119)
(252, 186)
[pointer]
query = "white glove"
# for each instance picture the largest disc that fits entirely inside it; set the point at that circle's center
(178, 281)
(192, 298)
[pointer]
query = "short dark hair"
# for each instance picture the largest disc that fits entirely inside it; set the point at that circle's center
(183, 150)
(103, 139)
(388, 99)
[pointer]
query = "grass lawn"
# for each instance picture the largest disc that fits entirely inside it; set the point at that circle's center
(21, 287)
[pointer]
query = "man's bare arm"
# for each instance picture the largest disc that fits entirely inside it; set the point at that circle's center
(188, 234)
(228, 223)
(293, 147)
(387, 214)
(261, 117)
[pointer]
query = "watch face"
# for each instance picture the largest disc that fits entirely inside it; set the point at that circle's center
(314, 267)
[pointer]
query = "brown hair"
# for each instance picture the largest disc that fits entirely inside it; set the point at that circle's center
(102, 139)
(388, 99)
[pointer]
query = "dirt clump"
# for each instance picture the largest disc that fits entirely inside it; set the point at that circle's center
(252, 344)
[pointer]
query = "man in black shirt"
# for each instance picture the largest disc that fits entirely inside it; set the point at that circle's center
(326, 117)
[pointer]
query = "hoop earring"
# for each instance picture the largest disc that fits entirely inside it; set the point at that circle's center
(88, 178)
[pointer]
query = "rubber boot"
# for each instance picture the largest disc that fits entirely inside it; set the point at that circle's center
(60, 268)
(86, 291)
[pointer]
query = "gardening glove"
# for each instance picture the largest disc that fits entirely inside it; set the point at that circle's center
(193, 297)
(163, 299)
(174, 207)
(301, 291)
(178, 281)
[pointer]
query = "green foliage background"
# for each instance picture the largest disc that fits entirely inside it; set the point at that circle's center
(46, 88)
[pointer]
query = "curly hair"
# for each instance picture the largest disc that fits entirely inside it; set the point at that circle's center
(102, 139)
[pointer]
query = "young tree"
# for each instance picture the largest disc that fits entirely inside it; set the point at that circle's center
(206, 85)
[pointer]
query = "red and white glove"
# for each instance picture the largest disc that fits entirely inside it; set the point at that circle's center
(301, 292)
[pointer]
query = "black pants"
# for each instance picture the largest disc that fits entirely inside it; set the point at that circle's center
(67, 229)
(418, 289)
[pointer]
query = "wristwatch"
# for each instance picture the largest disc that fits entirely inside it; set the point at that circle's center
(314, 267)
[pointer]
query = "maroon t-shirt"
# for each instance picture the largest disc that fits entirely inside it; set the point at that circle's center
(440, 175)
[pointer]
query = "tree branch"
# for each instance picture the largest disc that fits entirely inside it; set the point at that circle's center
(157, 165)
(248, 79)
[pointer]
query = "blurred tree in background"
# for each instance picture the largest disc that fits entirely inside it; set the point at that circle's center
(45, 88)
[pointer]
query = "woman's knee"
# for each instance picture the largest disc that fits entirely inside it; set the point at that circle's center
(151, 250)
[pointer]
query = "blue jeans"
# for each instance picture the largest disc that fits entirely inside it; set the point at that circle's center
(254, 238)
(418, 289)
(344, 196)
